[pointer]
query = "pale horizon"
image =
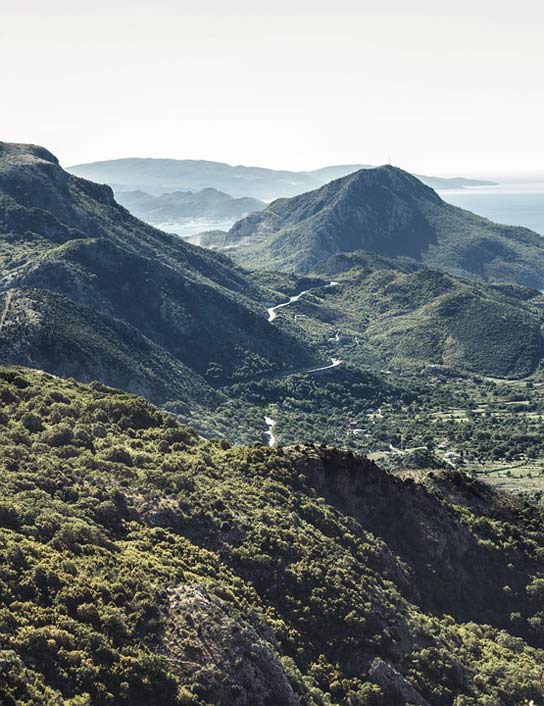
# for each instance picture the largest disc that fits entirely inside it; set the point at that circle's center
(450, 91)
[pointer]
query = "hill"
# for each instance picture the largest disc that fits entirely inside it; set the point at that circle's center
(409, 312)
(143, 564)
(184, 308)
(157, 176)
(207, 203)
(391, 213)
(50, 332)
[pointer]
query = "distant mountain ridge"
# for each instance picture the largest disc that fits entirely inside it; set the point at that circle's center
(157, 176)
(389, 212)
(206, 203)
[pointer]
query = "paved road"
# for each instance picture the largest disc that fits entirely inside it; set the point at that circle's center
(335, 362)
(270, 424)
(272, 310)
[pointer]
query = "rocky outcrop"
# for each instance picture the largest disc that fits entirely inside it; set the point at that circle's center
(222, 654)
(394, 685)
(418, 521)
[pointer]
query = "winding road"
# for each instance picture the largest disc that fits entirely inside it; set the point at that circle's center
(335, 362)
(270, 423)
(272, 310)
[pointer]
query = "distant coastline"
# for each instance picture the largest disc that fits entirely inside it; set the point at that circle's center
(519, 204)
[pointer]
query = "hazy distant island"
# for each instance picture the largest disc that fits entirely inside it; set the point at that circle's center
(206, 203)
(159, 176)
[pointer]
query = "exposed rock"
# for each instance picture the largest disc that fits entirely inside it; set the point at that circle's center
(394, 684)
(211, 646)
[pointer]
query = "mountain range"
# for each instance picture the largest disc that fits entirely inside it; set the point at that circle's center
(207, 203)
(157, 176)
(90, 292)
(143, 561)
(391, 213)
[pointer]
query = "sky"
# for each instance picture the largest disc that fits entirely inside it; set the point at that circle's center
(435, 88)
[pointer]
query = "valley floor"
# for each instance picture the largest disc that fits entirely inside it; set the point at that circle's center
(405, 415)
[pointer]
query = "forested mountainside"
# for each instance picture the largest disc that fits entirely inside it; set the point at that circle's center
(141, 563)
(173, 305)
(391, 213)
(413, 313)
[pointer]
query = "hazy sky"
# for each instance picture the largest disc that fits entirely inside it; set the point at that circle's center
(438, 88)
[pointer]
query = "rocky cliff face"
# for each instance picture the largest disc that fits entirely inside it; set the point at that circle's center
(423, 523)
(210, 642)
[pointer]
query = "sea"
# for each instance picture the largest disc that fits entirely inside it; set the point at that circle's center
(510, 204)
(188, 227)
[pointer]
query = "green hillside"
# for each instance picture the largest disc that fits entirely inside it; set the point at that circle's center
(428, 316)
(391, 213)
(68, 236)
(381, 313)
(142, 564)
(50, 332)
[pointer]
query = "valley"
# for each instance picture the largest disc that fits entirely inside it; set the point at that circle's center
(483, 425)
(271, 435)
(489, 429)
(220, 346)
(351, 413)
